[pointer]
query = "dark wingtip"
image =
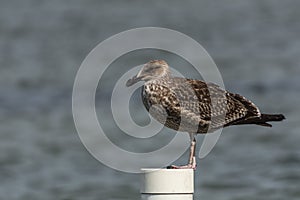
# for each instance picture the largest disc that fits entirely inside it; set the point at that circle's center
(265, 124)
(280, 117)
(272, 117)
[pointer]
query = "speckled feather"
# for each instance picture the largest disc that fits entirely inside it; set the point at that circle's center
(188, 104)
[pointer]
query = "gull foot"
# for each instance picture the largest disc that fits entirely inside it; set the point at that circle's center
(189, 166)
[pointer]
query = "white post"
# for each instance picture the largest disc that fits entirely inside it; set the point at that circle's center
(167, 184)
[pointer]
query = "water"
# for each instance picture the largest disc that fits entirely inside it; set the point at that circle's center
(42, 43)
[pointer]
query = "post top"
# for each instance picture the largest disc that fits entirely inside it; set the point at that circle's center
(166, 170)
(167, 181)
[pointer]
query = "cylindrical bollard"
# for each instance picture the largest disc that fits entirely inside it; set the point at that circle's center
(167, 184)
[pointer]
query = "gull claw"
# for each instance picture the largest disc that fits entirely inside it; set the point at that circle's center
(189, 166)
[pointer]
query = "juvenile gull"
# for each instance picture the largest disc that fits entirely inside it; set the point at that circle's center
(194, 106)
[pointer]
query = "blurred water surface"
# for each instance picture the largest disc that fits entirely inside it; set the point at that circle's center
(256, 45)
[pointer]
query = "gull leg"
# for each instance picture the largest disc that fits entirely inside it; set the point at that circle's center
(192, 158)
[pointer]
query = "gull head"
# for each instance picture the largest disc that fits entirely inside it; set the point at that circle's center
(152, 70)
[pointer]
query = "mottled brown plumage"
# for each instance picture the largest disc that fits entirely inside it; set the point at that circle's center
(194, 106)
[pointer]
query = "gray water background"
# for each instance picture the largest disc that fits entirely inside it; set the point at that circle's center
(255, 44)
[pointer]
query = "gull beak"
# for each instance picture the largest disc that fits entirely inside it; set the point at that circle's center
(133, 80)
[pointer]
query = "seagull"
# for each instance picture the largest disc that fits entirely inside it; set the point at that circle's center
(194, 106)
